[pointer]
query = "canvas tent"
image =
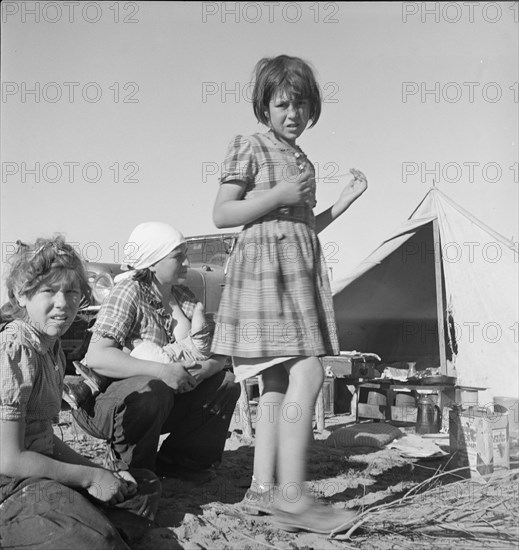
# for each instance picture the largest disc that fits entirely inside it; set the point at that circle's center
(441, 290)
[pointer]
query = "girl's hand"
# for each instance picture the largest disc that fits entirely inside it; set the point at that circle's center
(354, 189)
(176, 376)
(351, 192)
(296, 187)
(108, 487)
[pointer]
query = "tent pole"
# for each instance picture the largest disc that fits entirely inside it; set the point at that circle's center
(439, 297)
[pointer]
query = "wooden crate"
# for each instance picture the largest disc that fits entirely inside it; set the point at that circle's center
(404, 413)
(377, 412)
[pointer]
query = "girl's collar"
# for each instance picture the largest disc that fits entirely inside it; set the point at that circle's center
(283, 146)
(26, 332)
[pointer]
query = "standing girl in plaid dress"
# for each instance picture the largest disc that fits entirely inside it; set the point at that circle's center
(276, 314)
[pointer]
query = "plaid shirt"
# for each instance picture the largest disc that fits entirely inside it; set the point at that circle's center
(134, 311)
(31, 383)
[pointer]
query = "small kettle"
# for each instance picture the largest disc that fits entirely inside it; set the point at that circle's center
(428, 419)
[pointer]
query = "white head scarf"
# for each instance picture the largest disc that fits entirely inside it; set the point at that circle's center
(149, 243)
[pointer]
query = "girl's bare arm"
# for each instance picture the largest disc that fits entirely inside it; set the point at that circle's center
(351, 192)
(16, 461)
(230, 211)
(64, 453)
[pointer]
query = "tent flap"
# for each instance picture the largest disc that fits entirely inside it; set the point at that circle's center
(388, 305)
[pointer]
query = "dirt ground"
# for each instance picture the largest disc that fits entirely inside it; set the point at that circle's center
(206, 516)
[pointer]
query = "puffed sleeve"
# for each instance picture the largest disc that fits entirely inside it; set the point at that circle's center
(17, 375)
(240, 163)
(117, 314)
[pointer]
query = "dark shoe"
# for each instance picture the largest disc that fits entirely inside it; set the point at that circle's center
(165, 470)
(95, 382)
(130, 526)
(76, 392)
(256, 503)
(317, 518)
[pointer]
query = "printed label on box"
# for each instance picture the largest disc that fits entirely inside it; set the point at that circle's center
(479, 440)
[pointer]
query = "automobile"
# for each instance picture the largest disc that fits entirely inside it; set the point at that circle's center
(208, 255)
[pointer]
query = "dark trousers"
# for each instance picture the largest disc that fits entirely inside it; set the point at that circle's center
(42, 513)
(132, 414)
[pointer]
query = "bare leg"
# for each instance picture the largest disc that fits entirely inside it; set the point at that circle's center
(306, 377)
(275, 382)
(294, 509)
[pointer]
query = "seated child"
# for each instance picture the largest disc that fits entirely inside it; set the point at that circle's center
(45, 285)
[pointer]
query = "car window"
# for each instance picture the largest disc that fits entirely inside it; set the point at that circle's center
(208, 251)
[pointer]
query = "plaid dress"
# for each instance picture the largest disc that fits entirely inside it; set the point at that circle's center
(276, 300)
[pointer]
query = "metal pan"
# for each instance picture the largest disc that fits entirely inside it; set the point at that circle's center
(439, 379)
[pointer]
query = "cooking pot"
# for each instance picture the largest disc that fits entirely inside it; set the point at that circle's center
(428, 418)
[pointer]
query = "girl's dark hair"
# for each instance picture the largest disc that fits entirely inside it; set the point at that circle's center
(286, 74)
(44, 262)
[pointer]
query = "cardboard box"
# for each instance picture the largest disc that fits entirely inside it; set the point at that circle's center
(501, 442)
(377, 398)
(404, 413)
(479, 441)
(378, 412)
(348, 367)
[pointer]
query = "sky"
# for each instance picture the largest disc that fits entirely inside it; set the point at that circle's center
(115, 113)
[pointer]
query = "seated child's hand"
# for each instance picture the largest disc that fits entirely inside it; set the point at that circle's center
(107, 486)
(130, 481)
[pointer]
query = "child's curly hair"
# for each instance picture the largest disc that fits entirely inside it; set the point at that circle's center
(44, 262)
